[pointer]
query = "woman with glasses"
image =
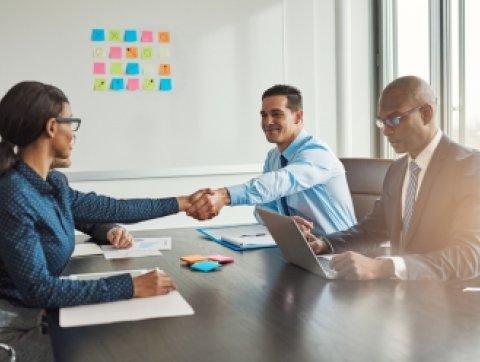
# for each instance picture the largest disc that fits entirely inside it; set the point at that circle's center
(37, 214)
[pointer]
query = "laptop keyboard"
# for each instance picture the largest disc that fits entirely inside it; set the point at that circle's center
(327, 269)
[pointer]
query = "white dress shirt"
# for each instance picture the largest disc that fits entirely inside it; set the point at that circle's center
(422, 160)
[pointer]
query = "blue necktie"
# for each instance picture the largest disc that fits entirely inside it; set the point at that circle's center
(283, 200)
(409, 201)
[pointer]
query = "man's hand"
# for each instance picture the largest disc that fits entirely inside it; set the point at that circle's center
(208, 204)
(355, 266)
(306, 227)
(120, 238)
(151, 284)
(318, 245)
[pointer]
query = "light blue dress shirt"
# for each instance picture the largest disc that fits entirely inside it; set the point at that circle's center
(313, 183)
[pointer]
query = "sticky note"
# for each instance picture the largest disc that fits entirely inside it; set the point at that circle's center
(130, 35)
(147, 36)
(99, 52)
(193, 258)
(116, 84)
(164, 69)
(116, 68)
(164, 53)
(165, 84)
(148, 69)
(114, 35)
(133, 84)
(221, 258)
(132, 52)
(98, 35)
(115, 53)
(148, 84)
(132, 68)
(147, 52)
(98, 68)
(164, 37)
(100, 84)
(205, 266)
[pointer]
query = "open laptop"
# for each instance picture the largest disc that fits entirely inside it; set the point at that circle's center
(294, 246)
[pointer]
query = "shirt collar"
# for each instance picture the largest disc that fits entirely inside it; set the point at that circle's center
(34, 178)
(293, 147)
(424, 157)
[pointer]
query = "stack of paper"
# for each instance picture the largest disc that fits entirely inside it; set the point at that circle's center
(141, 247)
(247, 235)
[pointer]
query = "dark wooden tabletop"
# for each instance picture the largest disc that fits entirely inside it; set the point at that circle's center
(261, 309)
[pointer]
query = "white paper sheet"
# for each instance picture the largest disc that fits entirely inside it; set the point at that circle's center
(141, 247)
(471, 289)
(246, 235)
(170, 305)
(164, 243)
(83, 249)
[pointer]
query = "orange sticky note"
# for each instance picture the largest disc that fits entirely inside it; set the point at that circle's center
(164, 69)
(132, 52)
(164, 37)
(190, 259)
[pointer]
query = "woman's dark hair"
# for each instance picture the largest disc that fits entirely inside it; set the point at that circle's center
(24, 111)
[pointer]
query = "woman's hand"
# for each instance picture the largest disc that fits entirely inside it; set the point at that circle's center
(120, 238)
(153, 283)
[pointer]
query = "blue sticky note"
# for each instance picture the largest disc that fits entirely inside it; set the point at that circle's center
(130, 35)
(98, 35)
(165, 84)
(117, 84)
(205, 266)
(133, 68)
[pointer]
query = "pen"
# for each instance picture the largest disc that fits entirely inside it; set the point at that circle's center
(252, 235)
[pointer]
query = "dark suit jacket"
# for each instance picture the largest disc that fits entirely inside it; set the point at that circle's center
(443, 241)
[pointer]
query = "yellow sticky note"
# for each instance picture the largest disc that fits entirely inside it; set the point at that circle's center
(100, 84)
(148, 84)
(132, 52)
(164, 53)
(147, 52)
(116, 68)
(115, 35)
(99, 52)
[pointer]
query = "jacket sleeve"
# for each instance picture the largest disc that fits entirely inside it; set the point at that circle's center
(97, 231)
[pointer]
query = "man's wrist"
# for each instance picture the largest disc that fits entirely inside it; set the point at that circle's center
(224, 195)
(387, 268)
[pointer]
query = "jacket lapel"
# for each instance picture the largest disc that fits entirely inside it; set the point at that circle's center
(429, 178)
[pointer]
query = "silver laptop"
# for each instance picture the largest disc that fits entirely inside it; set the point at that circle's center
(294, 246)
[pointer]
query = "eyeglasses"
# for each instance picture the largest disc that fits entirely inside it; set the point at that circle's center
(74, 122)
(395, 121)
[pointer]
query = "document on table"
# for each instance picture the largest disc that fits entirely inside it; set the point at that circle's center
(471, 289)
(84, 249)
(169, 305)
(141, 247)
(246, 235)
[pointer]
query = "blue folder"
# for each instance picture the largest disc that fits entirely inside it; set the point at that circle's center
(207, 232)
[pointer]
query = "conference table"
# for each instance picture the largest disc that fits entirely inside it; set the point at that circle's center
(262, 309)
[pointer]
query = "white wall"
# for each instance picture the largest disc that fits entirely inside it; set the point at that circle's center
(310, 46)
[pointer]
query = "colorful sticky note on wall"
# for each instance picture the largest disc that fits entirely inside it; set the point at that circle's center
(100, 84)
(98, 68)
(147, 52)
(149, 69)
(130, 35)
(163, 53)
(132, 52)
(116, 68)
(99, 52)
(164, 37)
(164, 69)
(115, 53)
(132, 68)
(114, 35)
(148, 84)
(165, 84)
(98, 35)
(133, 84)
(147, 36)
(116, 84)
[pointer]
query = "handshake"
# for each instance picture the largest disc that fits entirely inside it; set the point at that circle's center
(204, 204)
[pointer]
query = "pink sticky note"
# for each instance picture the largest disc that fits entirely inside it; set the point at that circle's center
(98, 68)
(221, 259)
(147, 36)
(115, 53)
(133, 84)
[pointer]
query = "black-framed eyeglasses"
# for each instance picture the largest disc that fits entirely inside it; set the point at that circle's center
(73, 122)
(395, 121)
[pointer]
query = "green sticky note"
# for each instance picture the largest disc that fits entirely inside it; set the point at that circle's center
(100, 84)
(115, 35)
(116, 68)
(148, 84)
(147, 52)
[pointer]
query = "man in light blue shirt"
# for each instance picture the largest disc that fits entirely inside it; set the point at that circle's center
(301, 176)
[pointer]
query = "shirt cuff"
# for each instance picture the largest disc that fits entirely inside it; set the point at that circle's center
(238, 195)
(399, 266)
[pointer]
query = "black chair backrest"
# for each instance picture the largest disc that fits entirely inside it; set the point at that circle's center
(365, 180)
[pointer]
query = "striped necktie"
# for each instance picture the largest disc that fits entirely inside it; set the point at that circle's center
(410, 196)
(283, 200)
